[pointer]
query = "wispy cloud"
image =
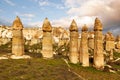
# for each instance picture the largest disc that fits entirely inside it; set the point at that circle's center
(43, 3)
(10, 2)
(37, 24)
(1, 10)
(24, 7)
(28, 15)
(107, 11)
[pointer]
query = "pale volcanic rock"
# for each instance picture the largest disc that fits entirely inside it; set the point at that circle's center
(20, 57)
(47, 45)
(118, 43)
(98, 45)
(91, 40)
(46, 26)
(84, 55)
(17, 40)
(109, 44)
(73, 52)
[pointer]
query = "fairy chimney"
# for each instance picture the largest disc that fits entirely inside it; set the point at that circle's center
(118, 42)
(84, 47)
(98, 45)
(17, 40)
(91, 40)
(47, 48)
(110, 44)
(73, 52)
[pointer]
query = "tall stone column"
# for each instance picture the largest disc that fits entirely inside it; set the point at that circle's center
(17, 40)
(84, 47)
(98, 45)
(118, 43)
(73, 55)
(91, 40)
(47, 48)
(110, 44)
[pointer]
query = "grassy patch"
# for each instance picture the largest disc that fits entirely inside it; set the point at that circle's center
(116, 54)
(91, 73)
(35, 69)
(7, 48)
(48, 69)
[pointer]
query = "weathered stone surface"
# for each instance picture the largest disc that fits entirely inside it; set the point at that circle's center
(17, 24)
(109, 44)
(111, 54)
(73, 55)
(118, 43)
(73, 26)
(84, 47)
(17, 40)
(46, 26)
(47, 48)
(98, 25)
(98, 45)
(91, 40)
(20, 57)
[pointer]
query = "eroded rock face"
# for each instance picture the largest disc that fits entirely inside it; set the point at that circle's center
(46, 26)
(91, 40)
(17, 40)
(84, 47)
(118, 43)
(47, 48)
(109, 44)
(98, 45)
(73, 54)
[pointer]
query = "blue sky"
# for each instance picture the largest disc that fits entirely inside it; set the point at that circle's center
(32, 10)
(62, 12)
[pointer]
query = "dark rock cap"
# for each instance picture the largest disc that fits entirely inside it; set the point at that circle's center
(73, 26)
(46, 26)
(17, 24)
(98, 25)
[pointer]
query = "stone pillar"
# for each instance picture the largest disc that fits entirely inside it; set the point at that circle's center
(84, 47)
(47, 46)
(98, 45)
(73, 55)
(17, 40)
(118, 43)
(110, 44)
(91, 40)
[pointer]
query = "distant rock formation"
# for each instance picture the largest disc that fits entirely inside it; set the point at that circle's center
(73, 52)
(98, 45)
(47, 45)
(84, 47)
(17, 40)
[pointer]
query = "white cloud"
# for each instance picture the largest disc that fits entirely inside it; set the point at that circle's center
(99, 8)
(65, 22)
(25, 17)
(24, 7)
(43, 3)
(1, 10)
(107, 11)
(28, 15)
(10, 2)
(35, 24)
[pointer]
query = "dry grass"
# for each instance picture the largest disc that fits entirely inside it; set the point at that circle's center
(35, 69)
(91, 73)
(52, 69)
